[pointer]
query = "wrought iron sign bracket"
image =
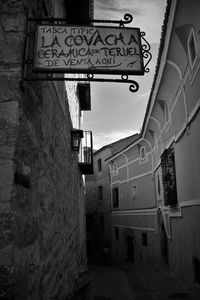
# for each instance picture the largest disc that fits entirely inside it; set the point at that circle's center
(134, 86)
(128, 18)
(30, 74)
(146, 51)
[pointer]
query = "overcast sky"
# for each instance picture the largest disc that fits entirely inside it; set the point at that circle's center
(117, 112)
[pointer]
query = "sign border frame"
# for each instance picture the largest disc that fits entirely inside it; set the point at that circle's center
(88, 71)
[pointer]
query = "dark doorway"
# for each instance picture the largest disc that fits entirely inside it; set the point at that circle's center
(164, 245)
(130, 248)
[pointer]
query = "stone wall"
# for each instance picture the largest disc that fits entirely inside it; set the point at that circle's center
(42, 218)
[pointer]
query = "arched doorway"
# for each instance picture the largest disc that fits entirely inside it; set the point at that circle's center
(129, 240)
(163, 238)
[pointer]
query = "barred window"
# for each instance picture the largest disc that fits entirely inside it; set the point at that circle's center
(169, 177)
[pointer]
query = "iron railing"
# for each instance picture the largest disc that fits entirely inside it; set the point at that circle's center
(86, 153)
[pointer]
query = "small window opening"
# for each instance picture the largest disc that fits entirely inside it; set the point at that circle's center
(44, 9)
(115, 168)
(116, 234)
(196, 265)
(99, 166)
(142, 153)
(134, 192)
(144, 239)
(159, 188)
(100, 192)
(115, 197)
(102, 222)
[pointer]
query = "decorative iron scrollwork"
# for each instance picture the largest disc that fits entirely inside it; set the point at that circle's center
(146, 51)
(134, 86)
(128, 19)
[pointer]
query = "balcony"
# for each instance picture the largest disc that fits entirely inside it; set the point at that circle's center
(86, 153)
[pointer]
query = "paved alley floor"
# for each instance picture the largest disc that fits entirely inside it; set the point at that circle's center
(109, 283)
(136, 282)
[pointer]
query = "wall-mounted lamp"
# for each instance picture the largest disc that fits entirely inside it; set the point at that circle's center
(76, 136)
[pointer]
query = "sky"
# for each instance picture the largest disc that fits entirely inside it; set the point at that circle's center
(115, 111)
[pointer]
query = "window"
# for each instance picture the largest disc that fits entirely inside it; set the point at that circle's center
(169, 177)
(143, 156)
(100, 192)
(44, 9)
(115, 197)
(144, 239)
(99, 167)
(192, 49)
(134, 192)
(116, 234)
(102, 223)
(196, 265)
(155, 142)
(158, 184)
(115, 171)
(166, 114)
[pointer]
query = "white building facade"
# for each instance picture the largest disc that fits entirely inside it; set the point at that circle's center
(155, 180)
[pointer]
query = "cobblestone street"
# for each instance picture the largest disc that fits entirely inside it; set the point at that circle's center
(138, 282)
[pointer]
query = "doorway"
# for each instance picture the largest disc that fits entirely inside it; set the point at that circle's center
(164, 245)
(130, 248)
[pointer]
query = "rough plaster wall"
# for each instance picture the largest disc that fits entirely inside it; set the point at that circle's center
(41, 190)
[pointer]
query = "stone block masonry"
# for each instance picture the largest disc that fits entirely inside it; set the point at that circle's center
(42, 249)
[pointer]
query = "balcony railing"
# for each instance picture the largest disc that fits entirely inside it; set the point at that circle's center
(86, 153)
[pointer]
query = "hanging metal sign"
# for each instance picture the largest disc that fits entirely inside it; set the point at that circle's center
(100, 50)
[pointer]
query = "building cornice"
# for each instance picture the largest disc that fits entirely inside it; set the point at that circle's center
(161, 61)
(162, 57)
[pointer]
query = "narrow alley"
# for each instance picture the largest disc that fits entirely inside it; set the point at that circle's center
(99, 149)
(128, 281)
